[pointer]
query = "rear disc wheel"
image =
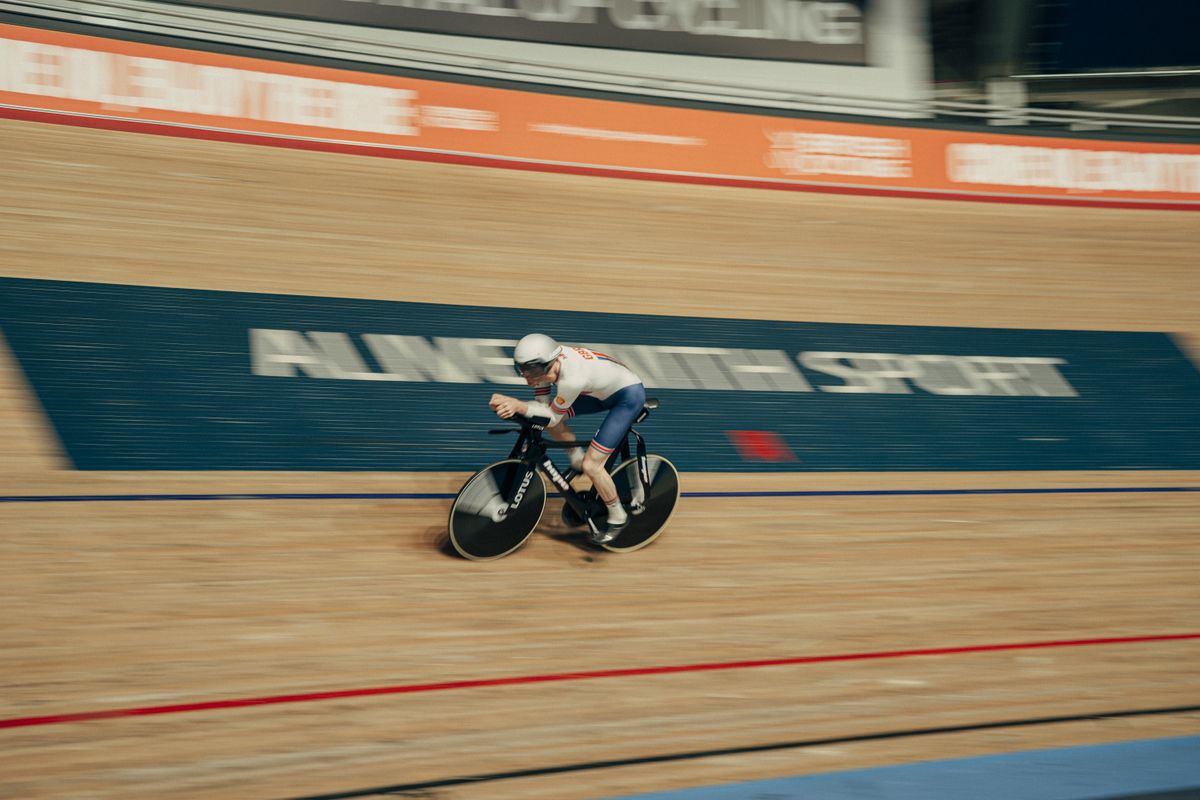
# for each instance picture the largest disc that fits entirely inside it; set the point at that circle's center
(657, 507)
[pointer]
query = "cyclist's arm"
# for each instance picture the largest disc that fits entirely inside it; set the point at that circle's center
(506, 407)
(559, 408)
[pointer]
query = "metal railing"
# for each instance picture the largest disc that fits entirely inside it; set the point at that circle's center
(372, 46)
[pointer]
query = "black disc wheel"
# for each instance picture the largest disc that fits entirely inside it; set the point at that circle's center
(482, 525)
(657, 507)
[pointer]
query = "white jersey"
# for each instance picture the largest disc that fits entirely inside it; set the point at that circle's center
(584, 372)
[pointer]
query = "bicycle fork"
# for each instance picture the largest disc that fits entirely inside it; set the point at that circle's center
(516, 484)
(638, 500)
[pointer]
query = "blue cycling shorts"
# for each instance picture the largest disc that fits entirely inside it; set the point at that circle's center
(623, 407)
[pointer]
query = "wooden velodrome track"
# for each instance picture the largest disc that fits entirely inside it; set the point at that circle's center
(115, 605)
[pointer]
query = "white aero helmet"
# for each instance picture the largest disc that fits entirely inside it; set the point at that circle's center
(534, 355)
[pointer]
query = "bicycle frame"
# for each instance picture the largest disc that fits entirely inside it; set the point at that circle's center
(531, 449)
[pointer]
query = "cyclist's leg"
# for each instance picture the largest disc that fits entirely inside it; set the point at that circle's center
(625, 406)
(563, 433)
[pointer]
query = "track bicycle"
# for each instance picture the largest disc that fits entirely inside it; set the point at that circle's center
(499, 506)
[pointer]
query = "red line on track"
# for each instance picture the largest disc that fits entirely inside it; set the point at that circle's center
(246, 702)
(498, 162)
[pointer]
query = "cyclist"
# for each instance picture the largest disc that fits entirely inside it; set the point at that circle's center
(586, 382)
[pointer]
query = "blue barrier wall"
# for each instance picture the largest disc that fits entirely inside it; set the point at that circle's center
(142, 378)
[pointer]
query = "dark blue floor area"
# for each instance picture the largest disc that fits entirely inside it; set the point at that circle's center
(1159, 769)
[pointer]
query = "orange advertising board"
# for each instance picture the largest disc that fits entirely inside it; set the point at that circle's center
(80, 78)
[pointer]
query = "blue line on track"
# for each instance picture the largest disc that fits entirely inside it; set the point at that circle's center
(127, 498)
(894, 492)
(88, 498)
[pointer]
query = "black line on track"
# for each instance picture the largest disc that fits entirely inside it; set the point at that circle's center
(417, 789)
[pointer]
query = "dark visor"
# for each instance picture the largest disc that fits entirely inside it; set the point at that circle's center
(533, 369)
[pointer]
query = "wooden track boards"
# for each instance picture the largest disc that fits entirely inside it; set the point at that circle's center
(120, 605)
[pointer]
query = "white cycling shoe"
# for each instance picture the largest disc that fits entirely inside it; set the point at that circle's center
(637, 503)
(611, 532)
